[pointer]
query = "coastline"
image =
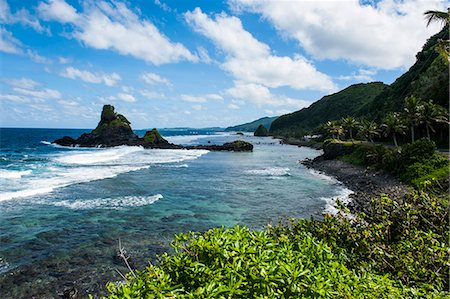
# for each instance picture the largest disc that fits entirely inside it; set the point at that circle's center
(366, 184)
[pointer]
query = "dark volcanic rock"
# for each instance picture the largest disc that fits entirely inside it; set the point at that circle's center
(261, 131)
(335, 149)
(114, 130)
(152, 139)
(235, 146)
(65, 141)
(365, 183)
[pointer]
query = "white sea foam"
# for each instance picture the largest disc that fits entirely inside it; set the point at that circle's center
(323, 176)
(99, 157)
(344, 197)
(270, 171)
(108, 203)
(4, 265)
(13, 174)
(80, 166)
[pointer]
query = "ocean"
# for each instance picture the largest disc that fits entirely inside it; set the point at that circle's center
(63, 210)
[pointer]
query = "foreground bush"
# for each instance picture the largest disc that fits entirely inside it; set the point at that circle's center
(240, 263)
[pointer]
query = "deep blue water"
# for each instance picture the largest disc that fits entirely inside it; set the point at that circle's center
(63, 210)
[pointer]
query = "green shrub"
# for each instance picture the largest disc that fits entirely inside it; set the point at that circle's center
(240, 263)
(408, 240)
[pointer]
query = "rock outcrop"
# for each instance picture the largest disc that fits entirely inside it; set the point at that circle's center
(114, 130)
(261, 131)
(235, 146)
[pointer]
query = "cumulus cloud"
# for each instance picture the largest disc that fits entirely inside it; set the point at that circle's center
(126, 97)
(384, 35)
(154, 79)
(86, 76)
(261, 96)
(202, 98)
(113, 26)
(251, 61)
(58, 10)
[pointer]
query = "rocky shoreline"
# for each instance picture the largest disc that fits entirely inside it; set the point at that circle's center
(366, 184)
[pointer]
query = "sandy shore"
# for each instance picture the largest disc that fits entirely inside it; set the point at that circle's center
(366, 184)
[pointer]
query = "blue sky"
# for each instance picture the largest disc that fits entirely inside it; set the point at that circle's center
(195, 63)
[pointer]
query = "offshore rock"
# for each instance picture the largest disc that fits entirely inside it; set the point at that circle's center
(114, 130)
(261, 131)
(235, 146)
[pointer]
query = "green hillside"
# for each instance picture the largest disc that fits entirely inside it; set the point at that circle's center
(350, 101)
(427, 79)
(252, 126)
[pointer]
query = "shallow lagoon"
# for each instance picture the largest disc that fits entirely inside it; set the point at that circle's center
(64, 210)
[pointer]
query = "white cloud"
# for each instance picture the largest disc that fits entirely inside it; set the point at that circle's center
(362, 75)
(126, 97)
(64, 60)
(385, 36)
(86, 76)
(23, 83)
(198, 107)
(68, 103)
(21, 16)
(154, 79)
(203, 55)
(232, 106)
(201, 99)
(151, 95)
(46, 93)
(261, 96)
(33, 55)
(14, 98)
(8, 43)
(58, 10)
(113, 26)
(251, 61)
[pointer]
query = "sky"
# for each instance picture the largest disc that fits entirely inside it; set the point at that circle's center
(195, 63)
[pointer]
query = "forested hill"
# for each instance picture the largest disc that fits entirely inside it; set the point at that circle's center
(252, 126)
(427, 79)
(350, 101)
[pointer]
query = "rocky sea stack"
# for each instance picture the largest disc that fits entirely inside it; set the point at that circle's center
(261, 131)
(114, 129)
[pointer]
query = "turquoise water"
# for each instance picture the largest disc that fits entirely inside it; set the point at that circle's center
(62, 211)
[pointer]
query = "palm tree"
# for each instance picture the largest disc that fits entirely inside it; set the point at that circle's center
(393, 125)
(443, 46)
(368, 129)
(432, 114)
(413, 110)
(349, 123)
(437, 16)
(334, 129)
